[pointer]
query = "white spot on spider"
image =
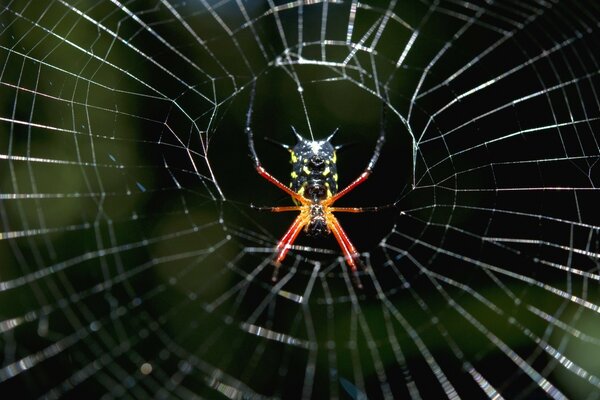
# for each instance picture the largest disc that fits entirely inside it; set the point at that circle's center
(316, 147)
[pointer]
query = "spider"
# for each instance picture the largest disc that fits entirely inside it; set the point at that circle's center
(314, 190)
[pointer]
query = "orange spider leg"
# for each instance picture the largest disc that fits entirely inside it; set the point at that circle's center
(262, 172)
(286, 208)
(279, 209)
(350, 254)
(287, 240)
(346, 209)
(361, 209)
(363, 177)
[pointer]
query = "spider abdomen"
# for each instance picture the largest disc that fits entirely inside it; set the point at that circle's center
(314, 170)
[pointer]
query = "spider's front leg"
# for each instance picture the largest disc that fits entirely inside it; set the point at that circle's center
(259, 168)
(368, 170)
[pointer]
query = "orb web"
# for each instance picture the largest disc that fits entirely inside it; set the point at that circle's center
(132, 262)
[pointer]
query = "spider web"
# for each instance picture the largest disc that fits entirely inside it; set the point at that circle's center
(132, 265)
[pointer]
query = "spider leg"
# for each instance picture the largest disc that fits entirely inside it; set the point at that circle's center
(262, 172)
(361, 209)
(286, 242)
(350, 254)
(259, 168)
(363, 177)
(370, 166)
(277, 209)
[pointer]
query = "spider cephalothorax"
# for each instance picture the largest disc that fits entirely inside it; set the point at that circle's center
(313, 187)
(317, 226)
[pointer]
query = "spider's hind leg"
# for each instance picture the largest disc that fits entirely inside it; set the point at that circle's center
(286, 242)
(350, 254)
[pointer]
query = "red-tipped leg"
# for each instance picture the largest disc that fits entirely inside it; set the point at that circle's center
(262, 172)
(363, 177)
(286, 242)
(350, 254)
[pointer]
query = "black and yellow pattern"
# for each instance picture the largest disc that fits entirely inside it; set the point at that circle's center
(314, 171)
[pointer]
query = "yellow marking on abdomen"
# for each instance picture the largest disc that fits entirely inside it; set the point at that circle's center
(306, 170)
(294, 174)
(326, 172)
